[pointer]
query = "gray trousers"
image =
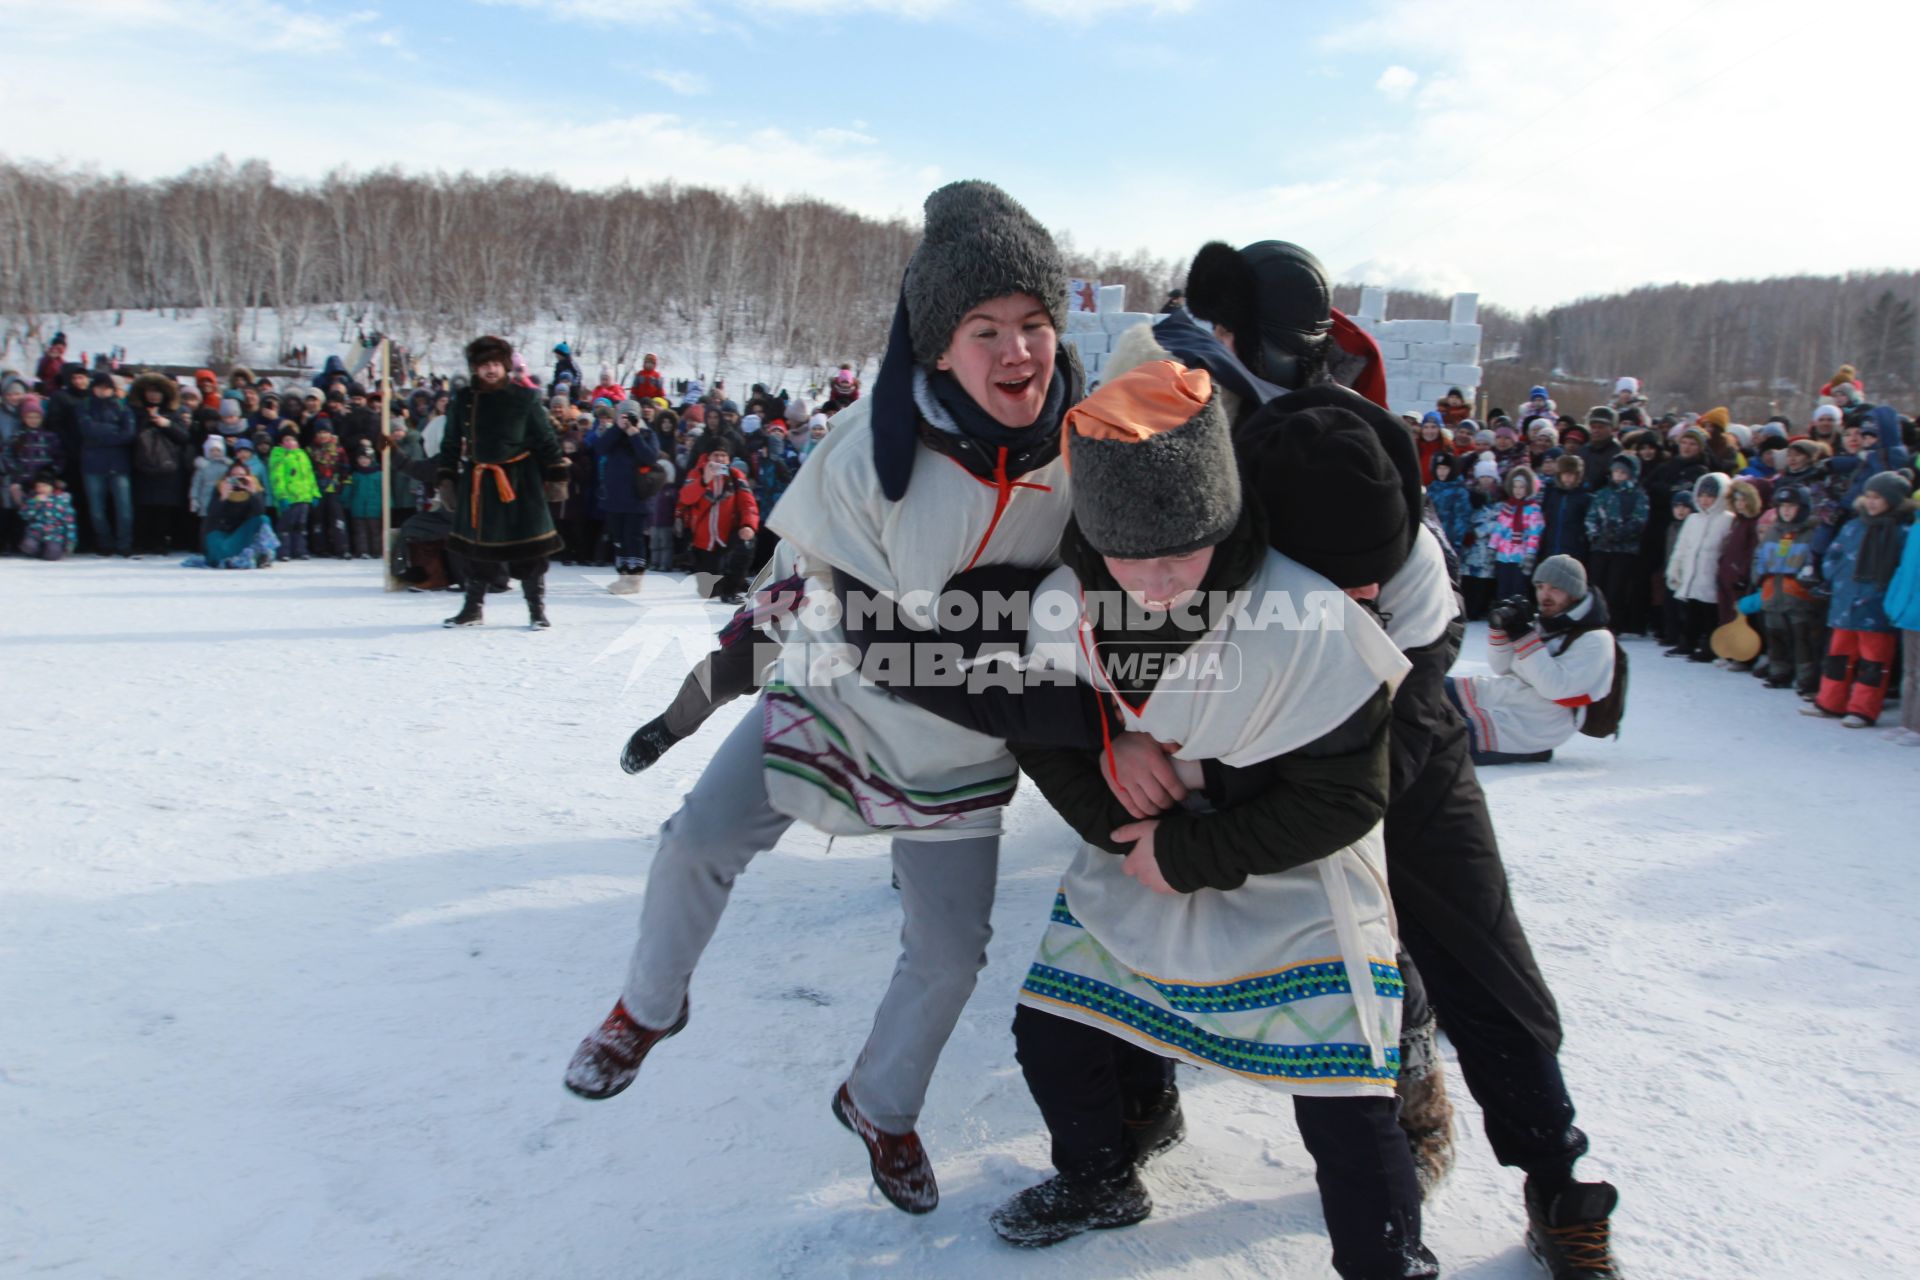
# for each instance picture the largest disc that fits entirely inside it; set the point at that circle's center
(1910, 680)
(946, 894)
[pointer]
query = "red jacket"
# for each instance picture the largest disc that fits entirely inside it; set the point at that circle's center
(1355, 341)
(612, 391)
(649, 385)
(713, 517)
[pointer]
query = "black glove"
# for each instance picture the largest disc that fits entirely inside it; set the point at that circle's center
(1512, 615)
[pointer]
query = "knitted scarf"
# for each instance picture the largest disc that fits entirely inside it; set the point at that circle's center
(977, 423)
(1880, 547)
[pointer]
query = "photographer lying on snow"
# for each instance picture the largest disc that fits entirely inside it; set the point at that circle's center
(1544, 680)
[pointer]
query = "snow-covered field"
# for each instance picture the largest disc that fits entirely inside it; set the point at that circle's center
(304, 902)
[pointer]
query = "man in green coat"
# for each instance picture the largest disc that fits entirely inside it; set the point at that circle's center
(497, 459)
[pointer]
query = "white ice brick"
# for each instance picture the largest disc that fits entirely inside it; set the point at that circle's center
(1434, 390)
(1464, 333)
(1113, 297)
(1118, 322)
(1425, 371)
(1441, 351)
(1421, 330)
(1085, 322)
(1091, 344)
(1466, 375)
(1373, 303)
(1393, 351)
(1465, 308)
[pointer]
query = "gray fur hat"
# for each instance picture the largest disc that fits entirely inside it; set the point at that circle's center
(1564, 572)
(980, 243)
(1153, 468)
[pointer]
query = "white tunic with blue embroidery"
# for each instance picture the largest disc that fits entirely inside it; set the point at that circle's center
(1290, 979)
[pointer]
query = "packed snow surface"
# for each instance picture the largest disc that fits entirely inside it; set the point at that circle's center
(305, 901)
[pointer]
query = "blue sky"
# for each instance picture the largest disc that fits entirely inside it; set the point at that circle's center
(1533, 152)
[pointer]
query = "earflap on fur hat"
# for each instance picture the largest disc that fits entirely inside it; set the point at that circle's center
(1274, 297)
(486, 348)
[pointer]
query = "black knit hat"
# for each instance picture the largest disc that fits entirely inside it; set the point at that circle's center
(486, 348)
(980, 243)
(1266, 473)
(1275, 298)
(1334, 500)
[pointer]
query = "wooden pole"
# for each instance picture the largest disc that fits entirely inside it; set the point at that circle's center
(386, 464)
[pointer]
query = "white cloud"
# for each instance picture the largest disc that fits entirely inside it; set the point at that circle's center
(1397, 82)
(1601, 144)
(1392, 273)
(687, 83)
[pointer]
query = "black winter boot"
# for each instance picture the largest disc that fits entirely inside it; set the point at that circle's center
(1567, 1230)
(470, 612)
(535, 590)
(1067, 1204)
(648, 743)
(1154, 1128)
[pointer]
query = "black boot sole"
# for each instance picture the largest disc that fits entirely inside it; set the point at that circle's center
(1057, 1233)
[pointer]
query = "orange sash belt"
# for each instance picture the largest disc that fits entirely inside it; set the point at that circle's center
(502, 485)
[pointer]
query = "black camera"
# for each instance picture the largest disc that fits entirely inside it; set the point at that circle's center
(1513, 614)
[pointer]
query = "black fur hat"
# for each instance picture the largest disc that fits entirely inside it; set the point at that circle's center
(980, 243)
(488, 347)
(1275, 298)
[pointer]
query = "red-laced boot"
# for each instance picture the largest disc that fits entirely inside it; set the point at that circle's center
(1568, 1230)
(900, 1166)
(607, 1061)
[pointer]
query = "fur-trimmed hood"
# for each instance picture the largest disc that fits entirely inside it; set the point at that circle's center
(1745, 498)
(1533, 483)
(168, 388)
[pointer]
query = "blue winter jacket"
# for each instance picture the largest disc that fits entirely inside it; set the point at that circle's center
(1856, 606)
(1565, 513)
(1903, 593)
(621, 457)
(1454, 506)
(106, 437)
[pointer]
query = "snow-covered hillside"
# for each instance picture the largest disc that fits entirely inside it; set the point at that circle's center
(304, 903)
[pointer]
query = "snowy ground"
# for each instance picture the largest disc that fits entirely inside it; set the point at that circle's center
(304, 903)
